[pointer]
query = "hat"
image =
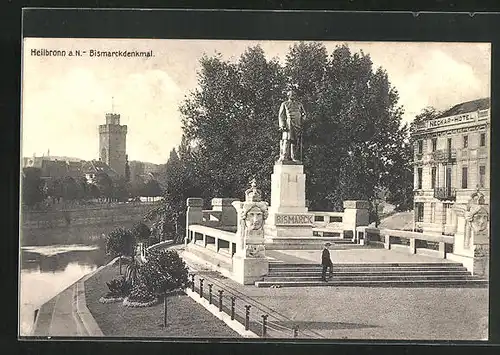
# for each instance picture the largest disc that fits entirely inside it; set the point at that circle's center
(327, 244)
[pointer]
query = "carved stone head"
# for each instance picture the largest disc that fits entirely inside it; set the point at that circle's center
(480, 221)
(254, 215)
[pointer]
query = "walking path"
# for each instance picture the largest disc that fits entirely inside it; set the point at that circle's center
(356, 312)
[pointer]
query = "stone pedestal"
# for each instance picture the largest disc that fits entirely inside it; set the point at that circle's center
(248, 270)
(194, 214)
(355, 214)
(288, 213)
(228, 212)
(472, 237)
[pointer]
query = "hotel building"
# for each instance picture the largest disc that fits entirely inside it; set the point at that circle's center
(451, 161)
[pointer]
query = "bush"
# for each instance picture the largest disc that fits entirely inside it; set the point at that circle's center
(140, 296)
(132, 273)
(164, 271)
(141, 232)
(118, 288)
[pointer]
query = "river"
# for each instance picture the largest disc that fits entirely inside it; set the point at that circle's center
(53, 259)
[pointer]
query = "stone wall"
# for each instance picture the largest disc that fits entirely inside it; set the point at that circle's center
(83, 216)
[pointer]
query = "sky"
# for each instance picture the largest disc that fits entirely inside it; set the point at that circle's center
(64, 99)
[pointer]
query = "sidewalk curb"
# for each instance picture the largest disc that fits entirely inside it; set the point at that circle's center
(233, 324)
(90, 325)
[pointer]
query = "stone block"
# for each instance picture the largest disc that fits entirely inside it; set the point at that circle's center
(194, 202)
(356, 204)
(248, 270)
(288, 186)
(413, 246)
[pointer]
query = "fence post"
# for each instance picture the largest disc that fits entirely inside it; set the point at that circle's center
(192, 282)
(210, 293)
(220, 300)
(264, 325)
(201, 288)
(247, 316)
(233, 300)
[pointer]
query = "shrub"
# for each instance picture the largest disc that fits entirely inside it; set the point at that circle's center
(118, 287)
(141, 232)
(132, 273)
(164, 271)
(140, 296)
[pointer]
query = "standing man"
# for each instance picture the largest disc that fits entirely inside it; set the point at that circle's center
(291, 118)
(326, 262)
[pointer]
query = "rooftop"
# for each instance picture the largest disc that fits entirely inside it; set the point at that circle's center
(469, 106)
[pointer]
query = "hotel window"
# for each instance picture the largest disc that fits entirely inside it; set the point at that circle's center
(419, 207)
(420, 146)
(433, 212)
(482, 175)
(419, 178)
(466, 141)
(482, 140)
(434, 144)
(433, 177)
(464, 177)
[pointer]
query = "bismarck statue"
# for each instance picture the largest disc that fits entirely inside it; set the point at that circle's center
(291, 118)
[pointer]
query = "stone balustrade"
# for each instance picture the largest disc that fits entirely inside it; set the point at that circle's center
(407, 241)
(217, 240)
(328, 222)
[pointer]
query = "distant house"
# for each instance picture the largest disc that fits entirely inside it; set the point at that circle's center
(91, 168)
(55, 167)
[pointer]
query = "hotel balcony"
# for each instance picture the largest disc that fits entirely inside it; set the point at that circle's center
(445, 193)
(444, 156)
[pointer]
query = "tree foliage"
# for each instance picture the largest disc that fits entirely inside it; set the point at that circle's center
(32, 186)
(164, 271)
(354, 143)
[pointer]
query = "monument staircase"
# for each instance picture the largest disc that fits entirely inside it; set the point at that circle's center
(436, 274)
(310, 243)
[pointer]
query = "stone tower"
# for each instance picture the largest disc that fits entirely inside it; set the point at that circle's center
(113, 143)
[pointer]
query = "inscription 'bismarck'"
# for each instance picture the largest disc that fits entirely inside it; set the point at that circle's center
(294, 219)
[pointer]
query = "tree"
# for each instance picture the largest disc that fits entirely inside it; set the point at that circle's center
(353, 134)
(105, 185)
(54, 189)
(120, 242)
(32, 186)
(70, 189)
(141, 232)
(119, 190)
(152, 189)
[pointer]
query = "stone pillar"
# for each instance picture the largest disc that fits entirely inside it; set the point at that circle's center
(194, 214)
(472, 239)
(249, 262)
(288, 213)
(355, 214)
(229, 215)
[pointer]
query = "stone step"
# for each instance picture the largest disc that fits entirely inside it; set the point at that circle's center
(336, 278)
(312, 246)
(395, 272)
(416, 283)
(360, 265)
(366, 269)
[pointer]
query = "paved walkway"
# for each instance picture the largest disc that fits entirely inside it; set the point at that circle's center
(358, 255)
(58, 316)
(361, 312)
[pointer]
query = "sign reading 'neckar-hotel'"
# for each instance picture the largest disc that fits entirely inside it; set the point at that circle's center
(294, 219)
(451, 119)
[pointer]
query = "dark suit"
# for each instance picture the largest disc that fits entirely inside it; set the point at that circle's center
(326, 262)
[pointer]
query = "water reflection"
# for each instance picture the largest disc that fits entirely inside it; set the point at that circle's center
(53, 259)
